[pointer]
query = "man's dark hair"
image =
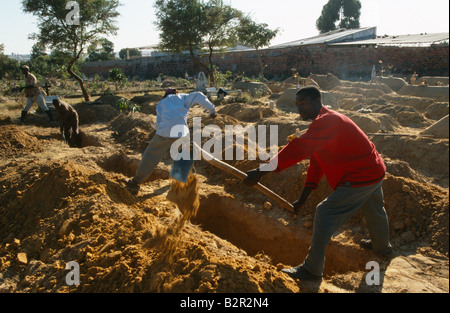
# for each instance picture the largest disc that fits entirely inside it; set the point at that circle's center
(310, 92)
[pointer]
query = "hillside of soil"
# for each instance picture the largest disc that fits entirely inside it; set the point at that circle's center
(214, 234)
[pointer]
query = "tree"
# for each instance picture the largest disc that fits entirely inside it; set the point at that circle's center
(221, 22)
(9, 68)
(38, 50)
(182, 27)
(193, 25)
(58, 29)
(256, 36)
(101, 50)
(132, 52)
(347, 12)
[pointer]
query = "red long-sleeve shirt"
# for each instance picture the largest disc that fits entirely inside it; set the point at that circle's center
(338, 149)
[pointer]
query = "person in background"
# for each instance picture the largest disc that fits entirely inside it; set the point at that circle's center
(68, 119)
(33, 94)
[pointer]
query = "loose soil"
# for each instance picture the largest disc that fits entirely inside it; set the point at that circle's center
(213, 234)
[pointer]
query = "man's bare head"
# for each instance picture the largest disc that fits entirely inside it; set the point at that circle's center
(309, 102)
(56, 103)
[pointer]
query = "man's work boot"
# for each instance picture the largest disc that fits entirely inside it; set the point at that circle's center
(367, 244)
(22, 116)
(132, 186)
(50, 116)
(299, 272)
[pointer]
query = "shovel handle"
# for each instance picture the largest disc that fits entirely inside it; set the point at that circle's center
(241, 175)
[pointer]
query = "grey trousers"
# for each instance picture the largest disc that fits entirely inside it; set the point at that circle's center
(152, 155)
(338, 208)
(39, 99)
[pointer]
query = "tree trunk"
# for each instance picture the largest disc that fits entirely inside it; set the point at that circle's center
(261, 65)
(86, 96)
(198, 63)
(212, 79)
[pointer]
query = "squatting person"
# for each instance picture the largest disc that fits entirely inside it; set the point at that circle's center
(172, 111)
(68, 123)
(340, 150)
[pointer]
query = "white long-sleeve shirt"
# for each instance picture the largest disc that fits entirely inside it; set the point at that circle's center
(173, 111)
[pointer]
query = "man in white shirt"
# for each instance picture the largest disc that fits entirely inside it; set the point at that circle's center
(171, 114)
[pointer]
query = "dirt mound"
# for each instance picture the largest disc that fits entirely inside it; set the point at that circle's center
(16, 141)
(440, 129)
(95, 113)
(147, 103)
(427, 156)
(437, 110)
(88, 217)
(439, 93)
(5, 120)
(256, 89)
(133, 131)
(247, 113)
(326, 82)
(59, 205)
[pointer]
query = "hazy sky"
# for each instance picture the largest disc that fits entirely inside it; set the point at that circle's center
(295, 18)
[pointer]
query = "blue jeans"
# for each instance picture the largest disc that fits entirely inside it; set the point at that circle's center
(338, 208)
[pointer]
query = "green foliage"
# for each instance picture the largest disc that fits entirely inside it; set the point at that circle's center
(193, 25)
(180, 23)
(124, 105)
(57, 31)
(347, 12)
(117, 76)
(9, 68)
(222, 79)
(256, 36)
(101, 50)
(131, 52)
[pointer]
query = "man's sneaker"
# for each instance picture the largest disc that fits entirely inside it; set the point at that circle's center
(299, 272)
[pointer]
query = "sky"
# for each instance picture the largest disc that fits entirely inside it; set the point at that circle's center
(295, 18)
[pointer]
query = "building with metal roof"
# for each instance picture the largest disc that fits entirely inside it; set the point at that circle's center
(337, 36)
(418, 40)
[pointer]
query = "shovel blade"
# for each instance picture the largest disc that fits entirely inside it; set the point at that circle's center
(181, 169)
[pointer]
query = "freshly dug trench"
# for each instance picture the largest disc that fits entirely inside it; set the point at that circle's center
(256, 233)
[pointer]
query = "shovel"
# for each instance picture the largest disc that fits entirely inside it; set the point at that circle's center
(181, 169)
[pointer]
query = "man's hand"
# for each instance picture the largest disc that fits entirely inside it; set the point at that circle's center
(297, 205)
(253, 177)
(302, 200)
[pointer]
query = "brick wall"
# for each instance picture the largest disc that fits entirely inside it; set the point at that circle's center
(344, 61)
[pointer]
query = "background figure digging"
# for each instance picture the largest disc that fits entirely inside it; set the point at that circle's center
(68, 119)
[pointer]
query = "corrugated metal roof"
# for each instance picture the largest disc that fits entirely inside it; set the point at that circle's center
(340, 35)
(402, 40)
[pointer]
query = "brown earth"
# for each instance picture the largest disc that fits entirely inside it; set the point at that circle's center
(60, 204)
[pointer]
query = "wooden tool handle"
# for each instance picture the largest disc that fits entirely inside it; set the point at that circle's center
(241, 175)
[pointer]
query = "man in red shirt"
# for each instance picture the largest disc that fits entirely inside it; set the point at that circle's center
(340, 150)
